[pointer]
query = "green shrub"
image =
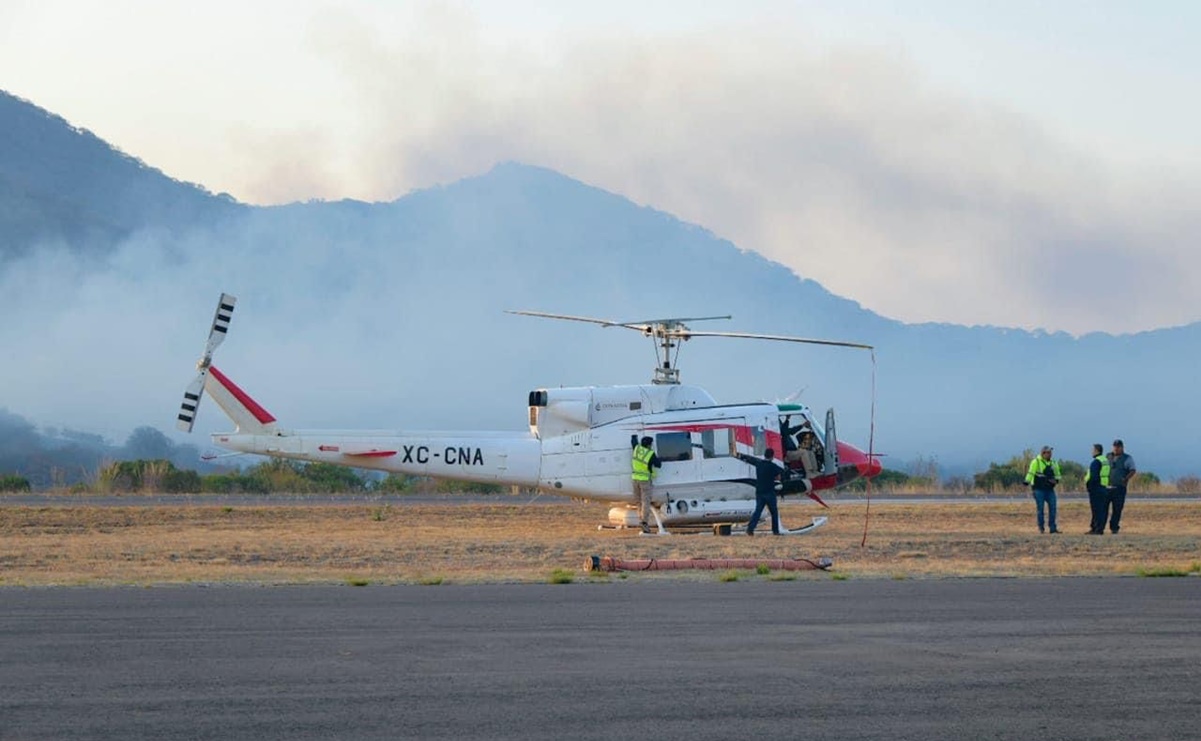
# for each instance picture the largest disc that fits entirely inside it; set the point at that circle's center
(13, 482)
(181, 482)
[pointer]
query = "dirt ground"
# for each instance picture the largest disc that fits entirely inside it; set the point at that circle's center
(443, 543)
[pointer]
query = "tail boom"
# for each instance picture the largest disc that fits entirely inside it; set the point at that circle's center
(481, 457)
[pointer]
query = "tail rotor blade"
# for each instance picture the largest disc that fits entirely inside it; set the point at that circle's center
(221, 319)
(191, 401)
(195, 390)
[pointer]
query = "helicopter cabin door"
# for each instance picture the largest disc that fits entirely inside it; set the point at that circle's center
(680, 465)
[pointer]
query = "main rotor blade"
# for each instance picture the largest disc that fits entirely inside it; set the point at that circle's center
(777, 338)
(641, 325)
(221, 319)
(590, 320)
(191, 401)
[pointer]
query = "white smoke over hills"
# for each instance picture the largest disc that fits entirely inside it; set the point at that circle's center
(391, 316)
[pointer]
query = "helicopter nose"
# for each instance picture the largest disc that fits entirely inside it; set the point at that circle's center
(867, 466)
(872, 468)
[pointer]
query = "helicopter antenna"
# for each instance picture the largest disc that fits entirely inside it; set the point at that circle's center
(669, 333)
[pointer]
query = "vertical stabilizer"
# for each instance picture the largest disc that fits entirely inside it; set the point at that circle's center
(247, 414)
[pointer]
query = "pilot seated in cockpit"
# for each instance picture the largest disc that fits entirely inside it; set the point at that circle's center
(810, 453)
(787, 430)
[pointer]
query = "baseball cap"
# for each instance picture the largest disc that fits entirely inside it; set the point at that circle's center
(1047, 449)
(1118, 443)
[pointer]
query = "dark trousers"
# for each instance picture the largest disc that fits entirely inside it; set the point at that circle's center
(1117, 500)
(761, 501)
(1098, 504)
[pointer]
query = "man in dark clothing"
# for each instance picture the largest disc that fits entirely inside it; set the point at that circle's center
(1121, 471)
(767, 472)
(787, 430)
(1096, 481)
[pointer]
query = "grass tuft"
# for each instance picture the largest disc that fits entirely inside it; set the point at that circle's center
(356, 582)
(561, 576)
(430, 581)
(1163, 571)
(728, 576)
(839, 576)
(762, 569)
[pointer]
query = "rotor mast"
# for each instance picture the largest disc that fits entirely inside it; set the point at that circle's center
(668, 334)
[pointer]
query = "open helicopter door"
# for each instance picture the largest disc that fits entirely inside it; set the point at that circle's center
(831, 443)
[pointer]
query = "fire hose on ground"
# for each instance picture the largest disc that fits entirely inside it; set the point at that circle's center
(610, 563)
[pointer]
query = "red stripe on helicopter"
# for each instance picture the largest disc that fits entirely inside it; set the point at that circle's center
(262, 415)
(370, 453)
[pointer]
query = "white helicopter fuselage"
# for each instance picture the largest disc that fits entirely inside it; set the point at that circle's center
(578, 444)
(579, 440)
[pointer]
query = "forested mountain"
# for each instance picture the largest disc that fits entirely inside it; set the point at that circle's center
(61, 184)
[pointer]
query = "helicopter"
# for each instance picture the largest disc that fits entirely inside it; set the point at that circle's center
(579, 440)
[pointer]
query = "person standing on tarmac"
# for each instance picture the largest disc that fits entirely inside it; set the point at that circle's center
(1042, 476)
(767, 472)
(643, 464)
(1121, 471)
(1096, 481)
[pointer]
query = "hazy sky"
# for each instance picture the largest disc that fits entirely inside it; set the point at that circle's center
(1019, 163)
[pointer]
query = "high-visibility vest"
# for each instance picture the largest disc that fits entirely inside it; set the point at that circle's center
(1038, 466)
(1104, 471)
(642, 463)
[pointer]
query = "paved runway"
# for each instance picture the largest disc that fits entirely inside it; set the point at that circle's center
(1114, 658)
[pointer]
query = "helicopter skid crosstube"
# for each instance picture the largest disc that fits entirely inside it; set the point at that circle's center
(717, 517)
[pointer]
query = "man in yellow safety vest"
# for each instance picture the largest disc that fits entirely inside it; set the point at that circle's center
(1096, 481)
(1042, 477)
(643, 464)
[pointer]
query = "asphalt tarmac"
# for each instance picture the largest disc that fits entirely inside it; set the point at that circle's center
(1101, 658)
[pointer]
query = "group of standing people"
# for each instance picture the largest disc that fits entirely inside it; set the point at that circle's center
(1106, 481)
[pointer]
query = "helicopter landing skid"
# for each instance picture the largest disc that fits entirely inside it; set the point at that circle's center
(817, 522)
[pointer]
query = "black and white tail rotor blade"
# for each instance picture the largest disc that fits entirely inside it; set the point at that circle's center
(191, 400)
(221, 319)
(195, 390)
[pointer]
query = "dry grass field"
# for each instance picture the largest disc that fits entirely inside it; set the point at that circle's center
(509, 541)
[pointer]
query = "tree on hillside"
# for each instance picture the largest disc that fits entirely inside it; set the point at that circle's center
(147, 443)
(1007, 475)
